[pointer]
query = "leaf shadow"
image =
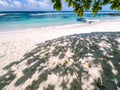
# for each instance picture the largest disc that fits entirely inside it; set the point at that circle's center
(103, 48)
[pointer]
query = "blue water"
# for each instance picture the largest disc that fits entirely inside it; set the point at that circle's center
(10, 21)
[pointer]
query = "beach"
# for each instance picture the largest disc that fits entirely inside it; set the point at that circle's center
(25, 58)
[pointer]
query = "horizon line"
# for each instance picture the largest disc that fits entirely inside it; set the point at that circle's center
(56, 11)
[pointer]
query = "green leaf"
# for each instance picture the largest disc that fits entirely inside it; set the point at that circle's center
(53, 1)
(81, 5)
(70, 3)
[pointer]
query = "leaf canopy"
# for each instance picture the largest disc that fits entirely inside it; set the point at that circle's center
(80, 6)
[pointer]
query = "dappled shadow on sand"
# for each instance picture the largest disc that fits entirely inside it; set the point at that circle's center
(76, 62)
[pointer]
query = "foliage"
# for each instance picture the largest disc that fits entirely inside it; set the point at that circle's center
(80, 6)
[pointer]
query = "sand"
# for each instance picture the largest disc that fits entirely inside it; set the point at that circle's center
(28, 62)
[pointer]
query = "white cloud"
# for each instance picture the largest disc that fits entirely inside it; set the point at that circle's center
(10, 4)
(17, 4)
(45, 4)
(31, 4)
(39, 4)
(28, 5)
(4, 3)
(30, 1)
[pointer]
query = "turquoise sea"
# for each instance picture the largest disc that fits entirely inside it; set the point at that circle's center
(22, 20)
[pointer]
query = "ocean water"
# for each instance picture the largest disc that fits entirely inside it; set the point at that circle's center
(10, 21)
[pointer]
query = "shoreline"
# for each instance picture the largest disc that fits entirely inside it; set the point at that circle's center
(17, 49)
(13, 42)
(100, 26)
(67, 26)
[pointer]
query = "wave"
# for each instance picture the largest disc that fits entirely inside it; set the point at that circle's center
(53, 13)
(3, 14)
(40, 14)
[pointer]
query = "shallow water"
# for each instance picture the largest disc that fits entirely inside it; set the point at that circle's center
(10, 21)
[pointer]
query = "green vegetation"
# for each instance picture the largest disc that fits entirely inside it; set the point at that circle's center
(80, 6)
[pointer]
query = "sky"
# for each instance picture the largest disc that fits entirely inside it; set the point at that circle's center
(32, 5)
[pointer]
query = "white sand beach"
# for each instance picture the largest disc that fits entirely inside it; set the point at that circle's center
(26, 64)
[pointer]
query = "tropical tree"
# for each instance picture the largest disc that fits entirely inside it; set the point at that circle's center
(80, 6)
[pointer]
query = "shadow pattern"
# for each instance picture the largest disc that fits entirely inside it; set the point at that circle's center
(71, 59)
